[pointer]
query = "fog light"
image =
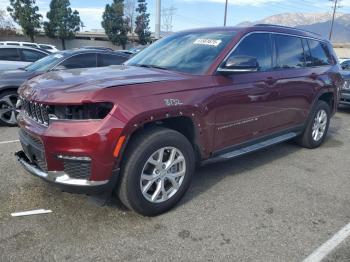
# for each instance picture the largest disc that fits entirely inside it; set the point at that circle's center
(74, 158)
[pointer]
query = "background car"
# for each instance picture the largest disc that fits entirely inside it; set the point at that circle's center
(10, 80)
(134, 50)
(345, 65)
(13, 57)
(345, 92)
(27, 44)
(50, 48)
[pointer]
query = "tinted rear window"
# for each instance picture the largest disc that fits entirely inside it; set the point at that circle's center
(319, 53)
(80, 61)
(10, 54)
(256, 45)
(107, 60)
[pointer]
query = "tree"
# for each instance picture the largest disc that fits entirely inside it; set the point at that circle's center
(6, 25)
(129, 10)
(142, 23)
(115, 24)
(25, 14)
(63, 21)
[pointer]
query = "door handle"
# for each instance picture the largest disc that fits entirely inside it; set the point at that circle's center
(270, 81)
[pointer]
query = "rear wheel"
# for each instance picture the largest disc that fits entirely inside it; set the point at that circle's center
(157, 171)
(8, 111)
(317, 128)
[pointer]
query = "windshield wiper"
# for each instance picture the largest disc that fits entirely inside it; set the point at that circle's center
(151, 66)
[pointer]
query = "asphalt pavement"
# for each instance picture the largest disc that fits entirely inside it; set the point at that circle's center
(279, 204)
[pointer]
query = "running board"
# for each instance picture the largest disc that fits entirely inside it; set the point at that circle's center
(255, 147)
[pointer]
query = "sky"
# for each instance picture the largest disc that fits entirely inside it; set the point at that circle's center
(200, 13)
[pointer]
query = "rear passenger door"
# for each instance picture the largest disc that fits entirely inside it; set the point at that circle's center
(293, 88)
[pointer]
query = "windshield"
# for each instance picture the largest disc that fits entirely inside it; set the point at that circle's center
(45, 63)
(185, 52)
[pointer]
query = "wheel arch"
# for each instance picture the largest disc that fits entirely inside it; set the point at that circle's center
(184, 122)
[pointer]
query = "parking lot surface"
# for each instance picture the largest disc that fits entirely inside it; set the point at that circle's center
(279, 204)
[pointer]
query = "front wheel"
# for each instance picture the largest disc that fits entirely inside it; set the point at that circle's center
(317, 127)
(157, 171)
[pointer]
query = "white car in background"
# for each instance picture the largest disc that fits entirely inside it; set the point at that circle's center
(50, 48)
(13, 57)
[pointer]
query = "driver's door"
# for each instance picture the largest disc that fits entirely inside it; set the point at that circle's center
(246, 101)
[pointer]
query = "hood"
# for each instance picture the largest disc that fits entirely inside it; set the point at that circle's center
(92, 79)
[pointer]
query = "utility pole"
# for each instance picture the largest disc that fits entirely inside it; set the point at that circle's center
(334, 12)
(157, 29)
(225, 17)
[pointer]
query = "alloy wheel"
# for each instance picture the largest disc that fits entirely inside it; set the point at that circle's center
(320, 125)
(163, 174)
(8, 110)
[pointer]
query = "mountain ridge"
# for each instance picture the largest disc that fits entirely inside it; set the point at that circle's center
(319, 23)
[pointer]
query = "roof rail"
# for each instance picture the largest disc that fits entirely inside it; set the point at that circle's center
(288, 27)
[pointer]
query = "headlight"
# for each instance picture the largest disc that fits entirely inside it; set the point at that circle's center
(80, 112)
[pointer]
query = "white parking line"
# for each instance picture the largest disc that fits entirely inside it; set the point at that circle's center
(324, 250)
(8, 142)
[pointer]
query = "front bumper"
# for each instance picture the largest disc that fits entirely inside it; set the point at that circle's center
(345, 98)
(67, 183)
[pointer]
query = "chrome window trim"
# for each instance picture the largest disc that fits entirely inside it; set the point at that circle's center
(271, 33)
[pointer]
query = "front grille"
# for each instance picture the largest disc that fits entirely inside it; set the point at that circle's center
(37, 155)
(36, 111)
(34, 140)
(77, 169)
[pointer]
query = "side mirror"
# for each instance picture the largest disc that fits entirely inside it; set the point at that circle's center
(240, 64)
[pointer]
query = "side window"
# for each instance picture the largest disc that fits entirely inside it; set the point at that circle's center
(107, 60)
(259, 46)
(10, 54)
(32, 56)
(290, 52)
(30, 45)
(319, 53)
(80, 61)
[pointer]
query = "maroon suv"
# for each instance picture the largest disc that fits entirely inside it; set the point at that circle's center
(193, 97)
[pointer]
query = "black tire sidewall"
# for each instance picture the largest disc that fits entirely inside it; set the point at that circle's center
(138, 159)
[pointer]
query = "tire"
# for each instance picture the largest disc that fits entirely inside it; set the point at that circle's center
(143, 157)
(309, 139)
(8, 112)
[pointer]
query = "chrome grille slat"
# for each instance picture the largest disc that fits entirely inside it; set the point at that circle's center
(37, 112)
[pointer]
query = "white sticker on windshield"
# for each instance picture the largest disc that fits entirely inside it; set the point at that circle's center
(211, 42)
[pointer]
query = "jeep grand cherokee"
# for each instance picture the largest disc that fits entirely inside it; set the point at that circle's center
(194, 97)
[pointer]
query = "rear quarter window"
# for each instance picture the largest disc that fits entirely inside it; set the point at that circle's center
(320, 54)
